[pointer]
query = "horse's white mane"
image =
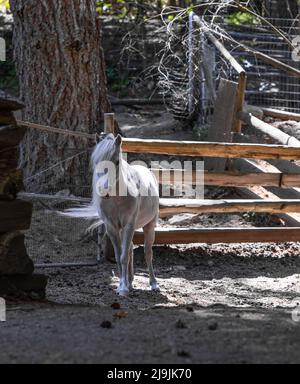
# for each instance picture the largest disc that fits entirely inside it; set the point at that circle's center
(104, 150)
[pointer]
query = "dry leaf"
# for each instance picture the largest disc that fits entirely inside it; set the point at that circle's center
(121, 314)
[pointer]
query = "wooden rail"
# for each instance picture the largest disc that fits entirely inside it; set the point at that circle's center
(229, 179)
(204, 149)
(169, 207)
(222, 235)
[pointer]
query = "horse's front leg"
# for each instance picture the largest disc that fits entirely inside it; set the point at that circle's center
(127, 238)
(114, 235)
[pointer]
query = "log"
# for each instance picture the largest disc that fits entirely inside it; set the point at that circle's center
(10, 184)
(9, 103)
(15, 215)
(269, 130)
(231, 179)
(222, 235)
(169, 207)
(222, 121)
(201, 149)
(14, 259)
(11, 135)
(282, 115)
(7, 118)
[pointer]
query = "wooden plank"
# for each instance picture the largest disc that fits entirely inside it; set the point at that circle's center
(204, 149)
(10, 184)
(109, 123)
(9, 103)
(169, 207)
(11, 135)
(7, 118)
(222, 235)
(230, 179)
(222, 122)
(269, 130)
(9, 159)
(15, 215)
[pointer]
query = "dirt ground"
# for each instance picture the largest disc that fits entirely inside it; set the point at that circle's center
(218, 304)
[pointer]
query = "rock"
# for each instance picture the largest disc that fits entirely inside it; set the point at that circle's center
(183, 353)
(213, 326)
(180, 324)
(179, 268)
(189, 308)
(106, 325)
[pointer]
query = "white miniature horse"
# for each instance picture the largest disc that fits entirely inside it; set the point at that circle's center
(124, 200)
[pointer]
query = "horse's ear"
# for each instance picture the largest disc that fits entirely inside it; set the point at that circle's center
(98, 138)
(118, 141)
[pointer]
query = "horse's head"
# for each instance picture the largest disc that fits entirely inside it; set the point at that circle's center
(106, 160)
(108, 149)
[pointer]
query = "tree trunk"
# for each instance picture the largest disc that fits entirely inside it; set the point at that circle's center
(61, 69)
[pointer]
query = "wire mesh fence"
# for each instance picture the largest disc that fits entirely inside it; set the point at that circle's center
(191, 66)
(268, 86)
(57, 240)
(54, 239)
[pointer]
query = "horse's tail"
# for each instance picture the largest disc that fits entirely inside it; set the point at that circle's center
(88, 212)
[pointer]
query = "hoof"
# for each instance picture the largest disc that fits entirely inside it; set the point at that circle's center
(155, 288)
(123, 293)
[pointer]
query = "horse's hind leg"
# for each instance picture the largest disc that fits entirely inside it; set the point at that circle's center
(149, 231)
(131, 267)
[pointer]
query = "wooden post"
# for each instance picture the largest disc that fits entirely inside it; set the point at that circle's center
(109, 123)
(240, 101)
(107, 247)
(223, 119)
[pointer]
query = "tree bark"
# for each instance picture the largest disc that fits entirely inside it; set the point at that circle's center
(60, 62)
